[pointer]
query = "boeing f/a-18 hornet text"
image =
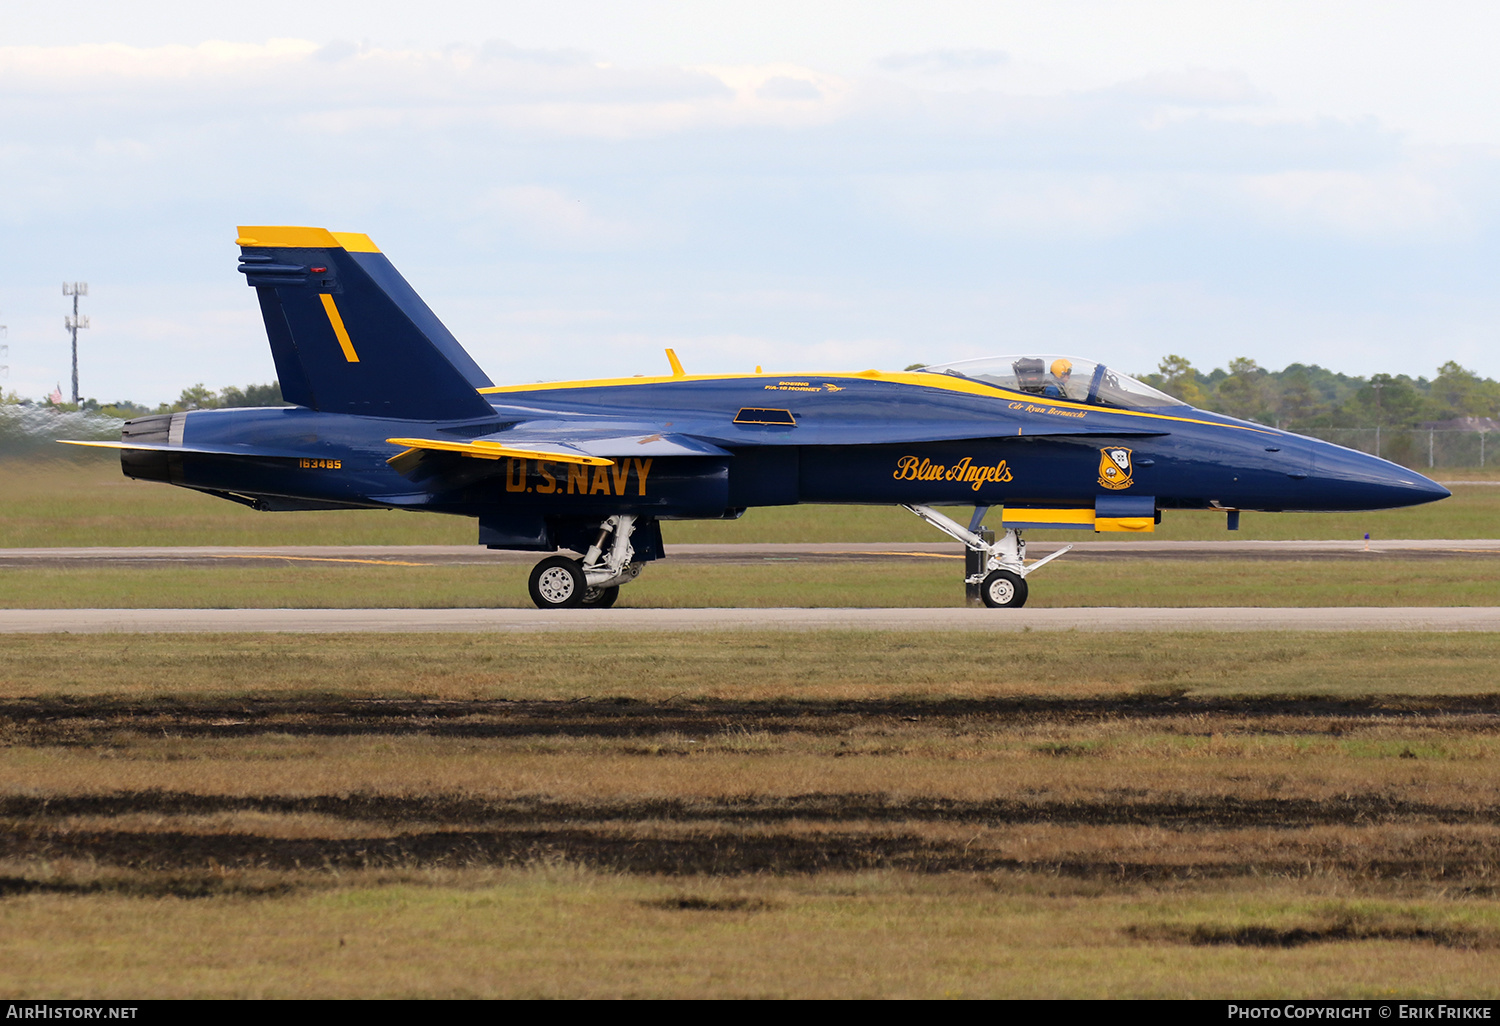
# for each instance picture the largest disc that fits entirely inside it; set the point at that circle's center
(390, 412)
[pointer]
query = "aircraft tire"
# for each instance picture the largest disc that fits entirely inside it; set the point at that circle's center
(557, 582)
(1003, 590)
(600, 598)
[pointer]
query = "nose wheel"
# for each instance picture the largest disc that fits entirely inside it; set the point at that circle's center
(996, 568)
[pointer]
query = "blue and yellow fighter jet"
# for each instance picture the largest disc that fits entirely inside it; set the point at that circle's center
(390, 412)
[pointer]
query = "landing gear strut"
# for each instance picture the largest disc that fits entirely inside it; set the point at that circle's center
(996, 568)
(593, 582)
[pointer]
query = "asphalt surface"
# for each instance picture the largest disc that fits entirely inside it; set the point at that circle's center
(427, 555)
(316, 621)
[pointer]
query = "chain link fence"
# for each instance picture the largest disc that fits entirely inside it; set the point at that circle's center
(1419, 448)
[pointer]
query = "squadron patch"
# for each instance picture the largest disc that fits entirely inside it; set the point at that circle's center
(1114, 467)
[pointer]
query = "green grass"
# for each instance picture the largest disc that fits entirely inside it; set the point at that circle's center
(189, 762)
(86, 501)
(1373, 580)
(751, 665)
(557, 932)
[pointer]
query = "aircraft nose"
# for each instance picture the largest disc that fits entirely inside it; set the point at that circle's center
(1357, 480)
(1429, 490)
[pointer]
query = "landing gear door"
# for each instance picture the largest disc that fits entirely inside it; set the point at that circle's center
(1125, 513)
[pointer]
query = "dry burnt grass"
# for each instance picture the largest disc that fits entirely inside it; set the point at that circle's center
(1132, 788)
(797, 805)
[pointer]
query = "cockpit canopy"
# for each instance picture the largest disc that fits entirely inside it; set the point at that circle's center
(1059, 377)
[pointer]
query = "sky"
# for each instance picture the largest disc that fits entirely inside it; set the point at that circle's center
(811, 186)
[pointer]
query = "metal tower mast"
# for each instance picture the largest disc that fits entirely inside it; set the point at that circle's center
(75, 289)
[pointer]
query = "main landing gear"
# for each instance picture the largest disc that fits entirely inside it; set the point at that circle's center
(560, 582)
(996, 570)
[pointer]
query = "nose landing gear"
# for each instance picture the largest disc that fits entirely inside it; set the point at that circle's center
(560, 582)
(996, 568)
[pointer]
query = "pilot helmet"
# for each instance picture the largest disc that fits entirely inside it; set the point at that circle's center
(1030, 373)
(1062, 368)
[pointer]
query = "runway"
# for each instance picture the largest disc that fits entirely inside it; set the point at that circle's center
(450, 555)
(515, 621)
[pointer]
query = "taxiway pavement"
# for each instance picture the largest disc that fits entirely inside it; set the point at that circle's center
(319, 621)
(426, 555)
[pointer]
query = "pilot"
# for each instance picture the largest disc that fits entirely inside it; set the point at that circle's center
(1062, 373)
(1031, 374)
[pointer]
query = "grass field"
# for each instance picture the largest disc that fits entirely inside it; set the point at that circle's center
(86, 501)
(1359, 579)
(748, 813)
(826, 814)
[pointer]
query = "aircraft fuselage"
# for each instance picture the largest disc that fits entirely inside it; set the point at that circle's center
(391, 412)
(877, 439)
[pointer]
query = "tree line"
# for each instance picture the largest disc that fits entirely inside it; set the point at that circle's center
(1299, 397)
(197, 397)
(1303, 397)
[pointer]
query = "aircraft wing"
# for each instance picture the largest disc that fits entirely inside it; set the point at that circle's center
(485, 449)
(704, 431)
(606, 436)
(893, 430)
(603, 442)
(591, 444)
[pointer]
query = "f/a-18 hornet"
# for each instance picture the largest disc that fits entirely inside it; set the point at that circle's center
(389, 411)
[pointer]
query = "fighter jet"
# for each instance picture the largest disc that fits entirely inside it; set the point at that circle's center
(390, 412)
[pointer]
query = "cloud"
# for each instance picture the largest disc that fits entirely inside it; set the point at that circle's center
(1017, 204)
(550, 204)
(944, 61)
(90, 65)
(1197, 87)
(338, 50)
(302, 75)
(552, 219)
(1388, 203)
(784, 87)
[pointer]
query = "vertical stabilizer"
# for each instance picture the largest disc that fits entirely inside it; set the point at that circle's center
(349, 335)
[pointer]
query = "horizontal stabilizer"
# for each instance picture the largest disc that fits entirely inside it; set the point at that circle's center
(221, 449)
